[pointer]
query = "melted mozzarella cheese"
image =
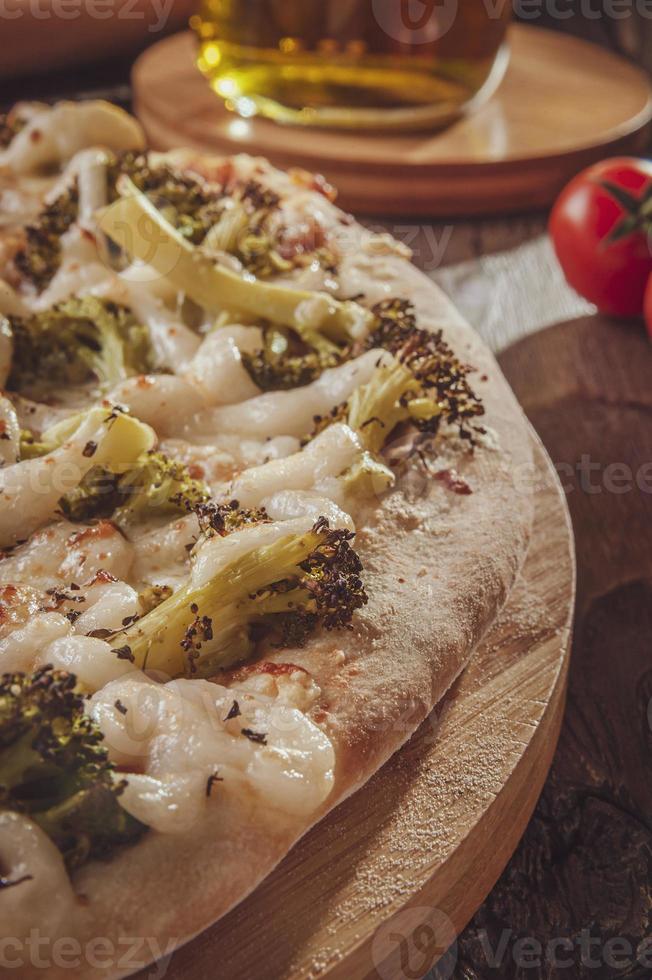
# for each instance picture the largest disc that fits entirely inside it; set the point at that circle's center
(107, 608)
(162, 553)
(329, 454)
(9, 433)
(271, 749)
(91, 660)
(20, 649)
(92, 184)
(170, 804)
(217, 370)
(285, 505)
(63, 553)
(173, 343)
(44, 896)
(161, 400)
(291, 413)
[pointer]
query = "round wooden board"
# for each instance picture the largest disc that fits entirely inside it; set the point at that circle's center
(563, 103)
(400, 867)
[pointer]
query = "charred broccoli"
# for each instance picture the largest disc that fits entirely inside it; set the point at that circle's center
(425, 384)
(54, 769)
(179, 197)
(287, 587)
(154, 486)
(223, 519)
(94, 498)
(285, 361)
(75, 341)
(40, 257)
(157, 485)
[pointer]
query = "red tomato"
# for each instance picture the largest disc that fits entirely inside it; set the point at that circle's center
(611, 274)
(647, 306)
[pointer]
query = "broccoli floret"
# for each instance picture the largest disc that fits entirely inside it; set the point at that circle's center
(238, 223)
(155, 486)
(179, 197)
(40, 257)
(54, 769)
(95, 498)
(441, 378)
(223, 519)
(425, 384)
(75, 341)
(215, 288)
(286, 361)
(287, 589)
(98, 437)
(243, 229)
(235, 223)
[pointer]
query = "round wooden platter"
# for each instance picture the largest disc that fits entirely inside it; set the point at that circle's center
(563, 103)
(382, 886)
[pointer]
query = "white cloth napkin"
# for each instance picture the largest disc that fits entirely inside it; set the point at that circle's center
(508, 295)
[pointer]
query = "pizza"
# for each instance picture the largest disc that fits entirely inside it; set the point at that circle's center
(261, 496)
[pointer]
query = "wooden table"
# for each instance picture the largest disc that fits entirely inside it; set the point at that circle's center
(581, 878)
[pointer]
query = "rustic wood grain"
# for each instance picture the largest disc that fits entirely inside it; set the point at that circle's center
(514, 153)
(434, 828)
(584, 866)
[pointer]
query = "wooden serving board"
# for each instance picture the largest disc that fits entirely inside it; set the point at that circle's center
(563, 104)
(396, 871)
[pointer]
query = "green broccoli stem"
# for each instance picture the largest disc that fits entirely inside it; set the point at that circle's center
(16, 766)
(159, 641)
(98, 819)
(141, 230)
(233, 643)
(53, 821)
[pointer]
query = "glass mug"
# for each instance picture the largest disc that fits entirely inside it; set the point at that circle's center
(353, 63)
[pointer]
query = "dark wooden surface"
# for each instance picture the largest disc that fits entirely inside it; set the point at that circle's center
(582, 875)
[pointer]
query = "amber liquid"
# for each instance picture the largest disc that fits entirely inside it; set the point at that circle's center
(351, 63)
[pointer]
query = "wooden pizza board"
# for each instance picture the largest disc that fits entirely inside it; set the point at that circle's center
(382, 886)
(563, 104)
